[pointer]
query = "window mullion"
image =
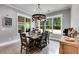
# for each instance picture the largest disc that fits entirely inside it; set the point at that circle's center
(52, 24)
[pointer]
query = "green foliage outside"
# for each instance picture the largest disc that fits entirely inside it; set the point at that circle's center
(57, 23)
(27, 25)
(22, 24)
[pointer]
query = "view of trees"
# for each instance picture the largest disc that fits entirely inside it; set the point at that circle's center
(22, 25)
(57, 23)
(27, 25)
(51, 24)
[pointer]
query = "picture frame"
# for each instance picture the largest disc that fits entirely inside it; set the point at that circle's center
(7, 22)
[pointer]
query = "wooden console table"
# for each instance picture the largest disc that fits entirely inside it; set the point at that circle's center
(67, 47)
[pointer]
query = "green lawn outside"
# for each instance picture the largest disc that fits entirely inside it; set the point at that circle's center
(53, 31)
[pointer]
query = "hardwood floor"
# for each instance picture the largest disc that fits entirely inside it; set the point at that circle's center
(52, 48)
(10, 49)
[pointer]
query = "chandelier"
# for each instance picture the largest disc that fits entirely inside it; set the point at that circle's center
(38, 15)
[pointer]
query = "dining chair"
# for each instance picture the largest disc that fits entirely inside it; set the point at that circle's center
(47, 36)
(37, 42)
(42, 41)
(24, 43)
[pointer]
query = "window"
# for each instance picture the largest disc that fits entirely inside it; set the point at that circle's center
(42, 25)
(57, 25)
(27, 24)
(52, 24)
(23, 23)
(49, 25)
(20, 23)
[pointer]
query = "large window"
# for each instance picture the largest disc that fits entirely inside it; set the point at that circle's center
(57, 25)
(48, 25)
(27, 24)
(20, 23)
(23, 23)
(42, 25)
(52, 24)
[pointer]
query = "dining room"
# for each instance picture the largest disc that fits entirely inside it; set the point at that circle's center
(27, 32)
(35, 28)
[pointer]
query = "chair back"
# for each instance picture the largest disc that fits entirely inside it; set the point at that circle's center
(43, 36)
(47, 34)
(23, 38)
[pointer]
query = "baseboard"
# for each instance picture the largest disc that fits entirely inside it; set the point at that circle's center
(55, 40)
(8, 43)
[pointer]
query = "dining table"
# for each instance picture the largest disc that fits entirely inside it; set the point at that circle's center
(32, 36)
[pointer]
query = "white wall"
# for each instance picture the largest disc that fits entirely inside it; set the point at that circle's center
(8, 33)
(75, 16)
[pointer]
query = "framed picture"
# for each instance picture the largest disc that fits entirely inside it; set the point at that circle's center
(7, 22)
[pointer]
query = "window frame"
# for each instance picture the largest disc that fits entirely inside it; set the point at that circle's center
(25, 16)
(61, 18)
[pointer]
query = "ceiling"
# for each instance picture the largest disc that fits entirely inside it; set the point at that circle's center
(45, 8)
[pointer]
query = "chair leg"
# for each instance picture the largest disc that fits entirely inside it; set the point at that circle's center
(21, 49)
(48, 41)
(27, 51)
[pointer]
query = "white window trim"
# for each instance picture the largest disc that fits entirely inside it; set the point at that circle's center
(49, 22)
(25, 16)
(61, 16)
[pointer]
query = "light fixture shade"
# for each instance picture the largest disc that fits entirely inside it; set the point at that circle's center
(38, 17)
